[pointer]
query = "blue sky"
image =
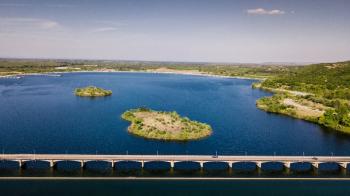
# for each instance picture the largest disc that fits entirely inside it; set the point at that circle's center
(177, 30)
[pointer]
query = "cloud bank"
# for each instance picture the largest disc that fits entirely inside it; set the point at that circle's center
(262, 11)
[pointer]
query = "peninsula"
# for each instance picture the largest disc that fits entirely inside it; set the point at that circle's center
(318, 93)
(92, 91)
(160, 125)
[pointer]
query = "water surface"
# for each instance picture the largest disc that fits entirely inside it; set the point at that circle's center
(41, 114)
(174, 187)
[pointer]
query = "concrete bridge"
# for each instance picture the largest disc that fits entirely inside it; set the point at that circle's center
(342, 161)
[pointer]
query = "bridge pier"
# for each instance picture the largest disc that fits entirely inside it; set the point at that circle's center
(230, 163)
(172, 164)
(112, 163)
(287, 167)
(52, 163)
(287, 164)
(344, 164)
(142, 164)
(201, 163)
(315, 164)
(20, 163)
(258, 164)
(82, 164)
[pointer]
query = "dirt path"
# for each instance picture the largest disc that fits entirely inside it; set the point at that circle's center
(302, 109)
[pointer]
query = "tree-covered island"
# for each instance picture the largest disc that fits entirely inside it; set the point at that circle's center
(160, 125)
(92, 91)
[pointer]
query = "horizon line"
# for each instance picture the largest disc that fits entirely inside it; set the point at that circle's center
(173, 61)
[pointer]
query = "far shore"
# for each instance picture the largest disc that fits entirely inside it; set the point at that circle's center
(154, 71)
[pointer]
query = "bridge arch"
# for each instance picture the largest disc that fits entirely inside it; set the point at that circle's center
(128, 165)
(301, 167)
(68, 164)
(34, 164)
(187, 165)
(157, 165)
(98, 164)
(9, 164)
(244, 166)
(329, 167)
(272, 166)
(217, 165)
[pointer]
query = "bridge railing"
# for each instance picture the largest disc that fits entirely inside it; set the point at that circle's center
(172, 159)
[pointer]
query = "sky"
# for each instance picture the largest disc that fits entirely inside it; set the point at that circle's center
(241, 31)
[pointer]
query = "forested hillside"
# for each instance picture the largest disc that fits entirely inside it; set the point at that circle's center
(330, 80)
(324, 97)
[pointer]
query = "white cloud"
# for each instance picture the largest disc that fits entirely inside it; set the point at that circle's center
(262, 11)
(12, 24)
(104, 29)
(106, 25)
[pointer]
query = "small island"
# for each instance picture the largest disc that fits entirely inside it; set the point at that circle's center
(160, 125)
(92, 91)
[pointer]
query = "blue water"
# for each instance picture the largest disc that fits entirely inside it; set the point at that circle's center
(41, 114)
(173, 187)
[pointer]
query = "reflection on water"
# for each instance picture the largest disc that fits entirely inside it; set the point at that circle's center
(174, 187)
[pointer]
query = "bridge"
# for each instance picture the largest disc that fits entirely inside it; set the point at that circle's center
(52, 159)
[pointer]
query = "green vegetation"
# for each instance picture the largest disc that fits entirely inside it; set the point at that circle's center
(276, 104)
(247, 71)
(25, 66)
(328, 80)
(318, 93)
(273, 104)
(164, 125)
(92, 91)
(337, 118)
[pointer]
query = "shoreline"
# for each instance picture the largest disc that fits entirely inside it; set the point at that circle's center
(294, 114)
(55, 74)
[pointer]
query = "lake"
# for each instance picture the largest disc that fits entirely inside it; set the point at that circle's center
(41, 114)
(174, 187)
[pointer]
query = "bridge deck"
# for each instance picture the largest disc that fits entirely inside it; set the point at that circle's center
(196, 158)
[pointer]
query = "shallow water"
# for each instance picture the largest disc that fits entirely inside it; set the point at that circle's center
(41, 114)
